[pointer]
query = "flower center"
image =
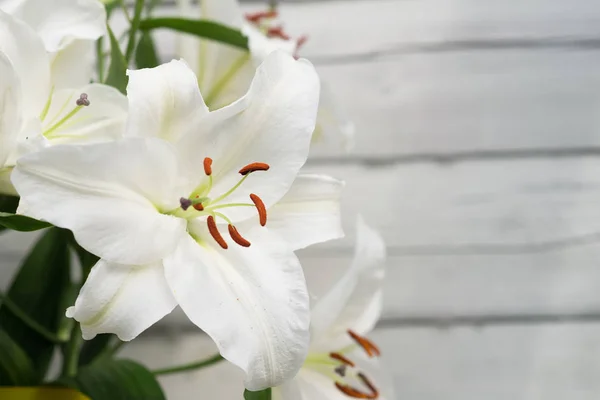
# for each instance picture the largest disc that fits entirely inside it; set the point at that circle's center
(199, 203)
(51, 127)
(343, 372)
(263, 21)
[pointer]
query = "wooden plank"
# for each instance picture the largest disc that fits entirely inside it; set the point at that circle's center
(493, 363)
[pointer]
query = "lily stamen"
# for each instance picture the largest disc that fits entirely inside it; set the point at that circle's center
(235, 235)
(342, 359)
(253, 167)
(355, 393)
(369, 347)
(277, 31)
(208, 166)
(260, 207)
(214, 231)
(257, 17)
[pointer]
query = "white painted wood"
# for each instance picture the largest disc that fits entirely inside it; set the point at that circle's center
(496, 363)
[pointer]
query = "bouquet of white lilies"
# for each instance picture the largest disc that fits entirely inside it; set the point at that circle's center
(156, 185)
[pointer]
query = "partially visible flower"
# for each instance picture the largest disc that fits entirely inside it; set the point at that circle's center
(68, 29)
(339, 322)
(224, 73)
(34, 112)
(198, 209)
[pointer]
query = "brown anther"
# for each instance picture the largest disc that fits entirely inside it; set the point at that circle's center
(369, 384)
(369, 347)
(260, 207)
(198, 207)
(355, 393)
(341, 370)
(258, 16)
(341, 358)
(277, 32)
(214, 231)
(208, 166)
(253, 167)
(235, 235)
(299, 43)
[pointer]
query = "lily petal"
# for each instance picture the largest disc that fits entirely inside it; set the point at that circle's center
(251, 301)
(103, 120)
(26, 52)
(309, 213)
(72, 66)
(290, 390)
(122, 299)
(333, 124)
(163, 101)
(109, 195)
(261, 46)
(10, 104)
(272, 123)
(59, 22)
(355, 301)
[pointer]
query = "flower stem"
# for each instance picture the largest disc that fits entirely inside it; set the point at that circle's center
(190, 367)
(27, 320)
(135, 25)
(71, 352)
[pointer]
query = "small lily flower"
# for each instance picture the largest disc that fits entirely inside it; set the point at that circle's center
(68, 29)
(35, 113)
(340, 322)
(198, 209)
(224, 72)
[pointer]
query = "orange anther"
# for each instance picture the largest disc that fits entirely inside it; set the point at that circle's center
(368, 346)
(214, 231)
(277, 31)
(208, 166)
(355, 393)
(198, 207)
(260, 207)
(235, 235)
(252, 167)
(258, 16)
(342, 359)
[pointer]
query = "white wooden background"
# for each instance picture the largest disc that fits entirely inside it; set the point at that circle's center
(478, 159)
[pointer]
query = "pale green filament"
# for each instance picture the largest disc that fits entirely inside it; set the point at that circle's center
(233, 189)
(47, 106)
(225, 79)
(48, 132)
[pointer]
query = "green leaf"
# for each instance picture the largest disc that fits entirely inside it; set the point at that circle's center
(145, 56)
(117, 72)
(93, 348)
(36, 289)
(21, 223)
(135, 25)
(112, 379)
(202, 28)
(9, 204)
(262, 395)
(16, 368)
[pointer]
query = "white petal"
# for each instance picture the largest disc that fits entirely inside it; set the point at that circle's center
(251, 301)
(314, 385)
(72, 66)
(6, 186)
(227, 12)
(290, 390)
(103, 120)
(59, 22)
(109, 195)
(10, 104)
(163, 101)
(333, 124)
(122, 299)
(261, 46)
(272, 123)
(25, 50)
(309, 213)
(355, 301)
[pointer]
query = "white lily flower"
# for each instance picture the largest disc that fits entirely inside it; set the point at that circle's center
(34, 112)
(68, 29)
(155, 207)
(225, 72)
(340, 321)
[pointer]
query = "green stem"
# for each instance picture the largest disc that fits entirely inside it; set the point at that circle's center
(114, 349)
(27, 320)
(224, 80)
(71, 352)
(100, 59)
(135, 25)
(190, 367)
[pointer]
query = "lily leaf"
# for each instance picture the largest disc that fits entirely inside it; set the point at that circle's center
(202, 28)
(145, 55)
(16, 369)
(110, 379)
(36, 290)
(117, 72)
(21, 223)
(262, 395)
